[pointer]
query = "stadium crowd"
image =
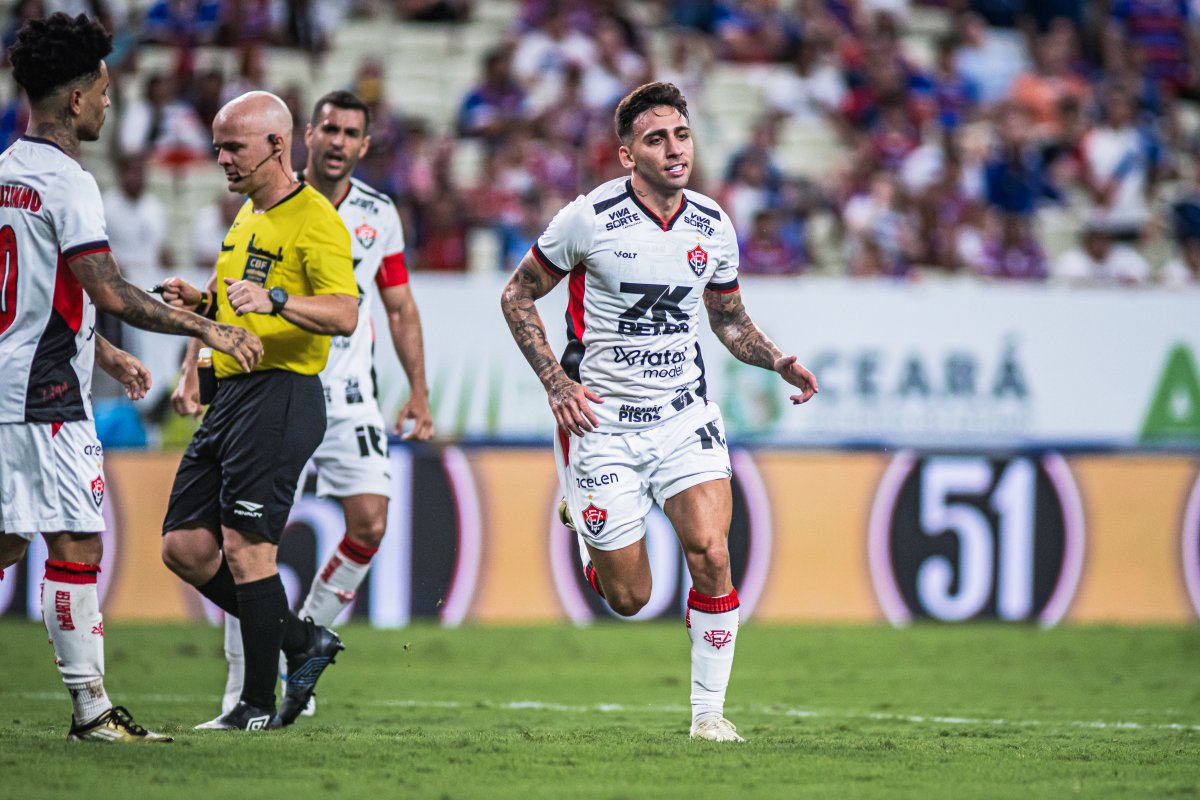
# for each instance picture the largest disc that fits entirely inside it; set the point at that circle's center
(1012, 139)
(1005, 139)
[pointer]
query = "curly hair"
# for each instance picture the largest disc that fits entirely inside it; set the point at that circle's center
(644, 98)
(53, 52)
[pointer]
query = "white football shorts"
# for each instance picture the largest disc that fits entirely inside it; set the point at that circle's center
(610, 480)
(51, 478)
(353, 457)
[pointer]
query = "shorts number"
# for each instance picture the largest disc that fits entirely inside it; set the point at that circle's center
(369, 438)
(8, 277)
(708, 434)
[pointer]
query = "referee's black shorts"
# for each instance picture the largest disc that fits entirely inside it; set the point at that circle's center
(243, 464)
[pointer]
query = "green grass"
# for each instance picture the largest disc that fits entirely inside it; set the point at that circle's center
(558, 712)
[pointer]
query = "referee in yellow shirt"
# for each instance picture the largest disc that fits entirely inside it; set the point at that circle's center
(284, 273)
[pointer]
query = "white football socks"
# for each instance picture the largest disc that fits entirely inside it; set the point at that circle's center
(235, 656)
(337, 582)
(71, 613)
(712, 624)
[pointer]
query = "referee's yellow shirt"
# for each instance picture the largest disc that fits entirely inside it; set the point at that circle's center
(300, 244)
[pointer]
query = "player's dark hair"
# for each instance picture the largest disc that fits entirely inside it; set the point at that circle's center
(340, 98)
(642, 99)
(53, 52)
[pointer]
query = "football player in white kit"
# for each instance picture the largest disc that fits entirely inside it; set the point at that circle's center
(352, 462)
(635, 425)
(55, 270)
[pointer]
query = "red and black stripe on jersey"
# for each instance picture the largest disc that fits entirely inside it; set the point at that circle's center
(53, 393)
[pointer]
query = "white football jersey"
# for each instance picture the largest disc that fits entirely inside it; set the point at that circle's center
(50, 213)
(636, 290)
(377, 246)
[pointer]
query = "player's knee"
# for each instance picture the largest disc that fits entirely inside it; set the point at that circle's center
(715, 558)
(627, 600)
(12, 550)
(368, 533)
(186, 560)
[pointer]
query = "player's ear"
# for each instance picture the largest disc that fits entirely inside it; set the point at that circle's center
(276, 142)
(626, 157)
(366, 145)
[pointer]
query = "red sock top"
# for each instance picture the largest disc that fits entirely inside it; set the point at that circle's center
(712, 605)
(356, 552)
(71, 572)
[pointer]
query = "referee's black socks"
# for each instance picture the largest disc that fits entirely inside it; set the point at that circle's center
(264, 614)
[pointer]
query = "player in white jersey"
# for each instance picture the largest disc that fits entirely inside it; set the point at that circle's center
(352, 461)
(56, 270)
(635, 424)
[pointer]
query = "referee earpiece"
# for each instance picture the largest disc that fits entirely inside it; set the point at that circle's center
(273, 139)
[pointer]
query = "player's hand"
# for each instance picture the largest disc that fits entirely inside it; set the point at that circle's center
(179, 293)
(247, 298)
(186, 397)
(794, 373)
(244, 346)
(416, 409)
(127, 370)
(570, 403)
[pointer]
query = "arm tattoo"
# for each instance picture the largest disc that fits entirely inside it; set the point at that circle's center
(734, 328)
(99, 274)
(528, 283)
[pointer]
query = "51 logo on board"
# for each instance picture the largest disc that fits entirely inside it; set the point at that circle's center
(963, 537)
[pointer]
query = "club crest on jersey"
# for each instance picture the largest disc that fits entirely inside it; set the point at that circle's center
(365, 235)
(697, 260)
(98, 490)
(594, 518)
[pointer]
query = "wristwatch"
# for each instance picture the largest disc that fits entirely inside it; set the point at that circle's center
(279, 297)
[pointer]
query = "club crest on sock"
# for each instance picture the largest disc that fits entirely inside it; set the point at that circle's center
(718, 638)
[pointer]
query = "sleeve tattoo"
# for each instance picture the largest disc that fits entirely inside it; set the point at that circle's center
(529, 283)
(734, 328)
(103, 280)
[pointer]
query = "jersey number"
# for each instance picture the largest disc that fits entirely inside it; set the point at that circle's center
(369, 438)
(8, 277)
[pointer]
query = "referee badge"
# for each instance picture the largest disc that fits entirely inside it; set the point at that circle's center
(259, 263)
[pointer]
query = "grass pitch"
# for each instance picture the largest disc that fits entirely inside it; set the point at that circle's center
(559, 712)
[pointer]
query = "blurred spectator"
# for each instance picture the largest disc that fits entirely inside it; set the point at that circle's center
(209, 225)
(496, 104)
(433, 10)
(955, 96)
(137, 234)
(517, 237)
(688, 65)
(205, 95)
(989, 58)
(615, 70)
(570, 120)
(1098, 260)
(1184, 271)
(1121, 164)
(749, 191)
(443, 246)
(894, 136)
(812, 89)
(1163, 31)
(755, 31)
(1010, 250)
(21, 11)
(544, 52)
(182, 22)
(163, 125)
(14, 117)
(767, 251)
(1040, 93)
(1016, 178)
(881, 234)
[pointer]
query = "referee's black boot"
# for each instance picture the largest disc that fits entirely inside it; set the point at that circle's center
(242, 717)
(304, 667)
